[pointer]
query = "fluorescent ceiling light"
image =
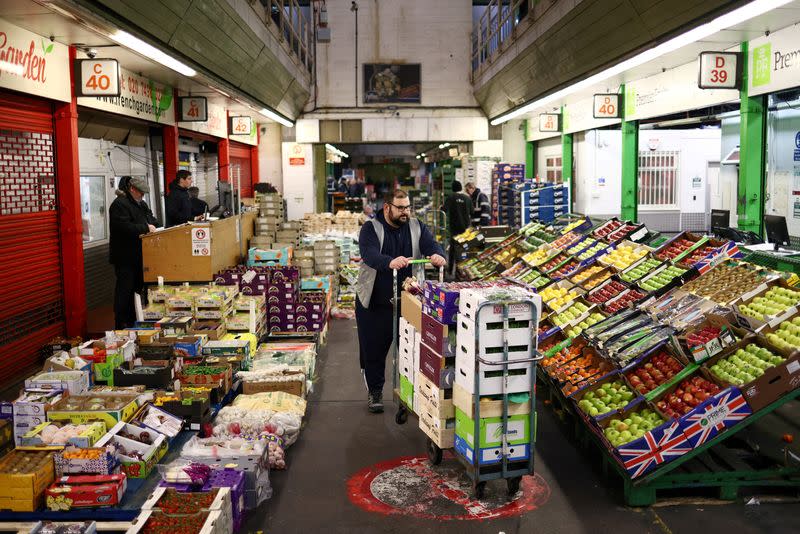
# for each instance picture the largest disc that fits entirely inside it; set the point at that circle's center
(444, 145)
(336, 151)
(737, 16)
(150, 51)
(268, 113)
(423, 154)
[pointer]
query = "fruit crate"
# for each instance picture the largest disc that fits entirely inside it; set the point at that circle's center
(623, 300)
(568, 267)
(659, 369)
(663, 279)
(729, 282)
(623, 254)
(593, 404)
(558, 296)
(679, 247)
(767, 306)
(606, 291)
(709, 253)
(640, 269)
(591, 276)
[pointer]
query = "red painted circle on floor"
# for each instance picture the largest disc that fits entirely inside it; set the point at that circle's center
(410, 485)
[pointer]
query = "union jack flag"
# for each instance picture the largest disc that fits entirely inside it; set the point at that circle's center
(728, 250)
(660, 445)
(708, 420)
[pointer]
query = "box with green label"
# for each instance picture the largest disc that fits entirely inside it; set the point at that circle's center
(104, 372)
(407, 392)
(491, 430)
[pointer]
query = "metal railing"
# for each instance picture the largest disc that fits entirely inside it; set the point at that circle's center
(658, 178)
(294, 30)
(496, 26)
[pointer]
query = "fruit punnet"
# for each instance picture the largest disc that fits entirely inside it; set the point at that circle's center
(662, 278)
(591, 251)
(570, 314)
(658, 370)
(607, 292)
(787, 336)
(608, 397)
(583, 245)
(624, 301)
(703, 336)
(689, 394)
(576, 330)
(697, 255)
(640, 270)
(623, 256)
(675, 249)
(621, 431)
(586, 273)
(775, 301)
(745, 365)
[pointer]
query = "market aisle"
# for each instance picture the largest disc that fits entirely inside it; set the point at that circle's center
(340, 438)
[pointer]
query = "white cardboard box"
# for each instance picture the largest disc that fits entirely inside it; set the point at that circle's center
(471, 299)
(491, 381)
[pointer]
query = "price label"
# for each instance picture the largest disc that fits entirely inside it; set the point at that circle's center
(98, 77)
(193, 109)
(607, 106)
(719, 70)
(241, 125)
(549, 122)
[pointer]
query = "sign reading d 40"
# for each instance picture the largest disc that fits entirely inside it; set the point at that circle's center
(98, 77)
(607, 106)
(719, 70)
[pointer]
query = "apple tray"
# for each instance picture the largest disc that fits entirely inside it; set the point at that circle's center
(688, 368)
(696, 239)
(667, 441)
(610, 377)
(773, 384)
(772, 321)
(605, 283)
(676, 281)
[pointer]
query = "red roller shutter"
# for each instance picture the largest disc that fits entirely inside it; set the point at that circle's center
(240, 159)
(31, 306)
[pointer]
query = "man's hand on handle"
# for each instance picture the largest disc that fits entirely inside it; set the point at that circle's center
(399, 262)
(151, 228)
(438, 261)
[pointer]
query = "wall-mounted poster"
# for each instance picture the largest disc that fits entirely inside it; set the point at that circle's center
(388, 83)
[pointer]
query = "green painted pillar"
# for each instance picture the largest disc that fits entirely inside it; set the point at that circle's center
(630, 169)
(752, 150)
(530, 159)
(320, 178)
(567, 174)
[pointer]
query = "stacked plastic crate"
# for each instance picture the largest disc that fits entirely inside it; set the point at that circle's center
(544, 202)
(508, 180)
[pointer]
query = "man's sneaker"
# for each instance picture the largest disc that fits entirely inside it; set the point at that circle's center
(375, 403)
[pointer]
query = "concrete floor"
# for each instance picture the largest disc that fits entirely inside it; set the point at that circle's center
(340, 438)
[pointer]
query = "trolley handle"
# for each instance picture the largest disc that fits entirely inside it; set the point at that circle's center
(423, 261)
(527, 360)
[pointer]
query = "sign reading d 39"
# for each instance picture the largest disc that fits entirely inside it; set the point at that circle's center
(774, 61)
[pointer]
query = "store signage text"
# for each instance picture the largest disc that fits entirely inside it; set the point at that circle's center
(33, 64)
(719, 70)
(774, 62)
(138, 97)
(241, 125)
(549, 122)
(98, 77)
(607, 106)
(193, 108)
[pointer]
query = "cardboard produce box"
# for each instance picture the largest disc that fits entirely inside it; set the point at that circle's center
(110, 408)
(87, 491)
(293, 382)
(36, 437)
(24, 477)
(85, 461)
(411, 309)
(138, 456)
(441, 431)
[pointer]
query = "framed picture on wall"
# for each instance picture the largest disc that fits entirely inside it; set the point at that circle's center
(392, 83)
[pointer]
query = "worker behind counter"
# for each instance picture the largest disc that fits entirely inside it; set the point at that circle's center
(199, 206)
(386, 242)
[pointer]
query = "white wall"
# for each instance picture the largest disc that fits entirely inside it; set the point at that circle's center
(598, 172)
(729, 174)
(298, 180)
(434, 34)
(270, 166)
(782, 169)
(513, 142)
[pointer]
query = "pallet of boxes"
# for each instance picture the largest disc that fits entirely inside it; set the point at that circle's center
(270, 217)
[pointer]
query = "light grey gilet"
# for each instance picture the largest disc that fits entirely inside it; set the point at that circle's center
(366, 274)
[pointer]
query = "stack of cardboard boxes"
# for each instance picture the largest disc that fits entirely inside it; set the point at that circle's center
(343, 223)
(326, 257)
(270, 217)
(304, 260)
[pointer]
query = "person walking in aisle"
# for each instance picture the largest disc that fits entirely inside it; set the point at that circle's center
(129, 217)
(178, 203)
(481, 209)
(458, 207)
(386, 242)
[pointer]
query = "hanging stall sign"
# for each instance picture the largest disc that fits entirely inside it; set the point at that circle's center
(97, 77)
(243, 130)
(32, 64)
(216, 123)
(139, 97)
(580, 116)
(532, 132)
(606, 106)
(671, 91)
(719, 70)
(549, 122)
(193, 109)
(773, 63)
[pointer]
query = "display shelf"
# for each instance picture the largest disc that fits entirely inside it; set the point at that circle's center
(789, 264)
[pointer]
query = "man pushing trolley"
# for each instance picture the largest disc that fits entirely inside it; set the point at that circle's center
(388, 242)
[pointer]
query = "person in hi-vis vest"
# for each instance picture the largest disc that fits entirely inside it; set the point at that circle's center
(387, 242)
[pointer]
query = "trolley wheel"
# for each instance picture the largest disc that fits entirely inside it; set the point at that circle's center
(480, 490)
(513, 485)
(401, 416)
(434, 452)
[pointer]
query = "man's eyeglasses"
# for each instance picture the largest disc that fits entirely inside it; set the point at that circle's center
(401, 208)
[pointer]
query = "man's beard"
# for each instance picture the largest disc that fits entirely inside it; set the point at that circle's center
(399, 220)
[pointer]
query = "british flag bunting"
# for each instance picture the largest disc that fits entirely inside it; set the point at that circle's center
(711, 418)
(660, 445)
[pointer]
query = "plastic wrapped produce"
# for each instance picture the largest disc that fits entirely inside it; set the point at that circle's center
(253, 423)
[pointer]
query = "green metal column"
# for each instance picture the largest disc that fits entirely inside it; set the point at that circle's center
(530, 159)
(630, 169)
(566, 167)
(752, 150)
(320, 178)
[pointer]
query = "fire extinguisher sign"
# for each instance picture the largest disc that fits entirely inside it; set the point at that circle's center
(201, 241)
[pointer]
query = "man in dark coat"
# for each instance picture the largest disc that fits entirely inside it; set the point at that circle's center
(129, 218)
(458, 207)
(481, 209)
(199, 206)
(178, 203)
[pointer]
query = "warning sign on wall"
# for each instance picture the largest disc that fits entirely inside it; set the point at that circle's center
(201, 241)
